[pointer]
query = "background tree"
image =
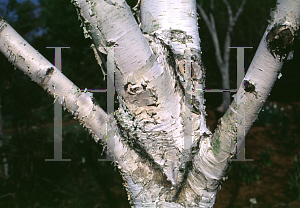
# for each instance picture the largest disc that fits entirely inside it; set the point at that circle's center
(222, 58)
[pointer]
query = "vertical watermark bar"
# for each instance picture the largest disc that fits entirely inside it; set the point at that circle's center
(110, 102)
(240, 60)
(57, 113)
(187, 128)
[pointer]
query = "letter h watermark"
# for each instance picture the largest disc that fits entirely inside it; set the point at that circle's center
(111, 94)
(58, 108)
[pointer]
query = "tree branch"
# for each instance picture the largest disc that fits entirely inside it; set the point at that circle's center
(80, 104)
(212, 160)
(23, 56)
(231, 22)
(227, 37)
(116, 27)
(239, 11)
(212, 30)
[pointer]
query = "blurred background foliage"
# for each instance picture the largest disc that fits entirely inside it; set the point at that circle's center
(27, 112)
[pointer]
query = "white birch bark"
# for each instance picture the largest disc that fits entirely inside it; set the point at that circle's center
(212, 160)
(161, 104)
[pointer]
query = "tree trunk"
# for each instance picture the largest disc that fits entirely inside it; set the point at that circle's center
(159, 139)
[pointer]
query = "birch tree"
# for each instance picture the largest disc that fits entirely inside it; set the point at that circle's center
(222, 58)
(158, 136)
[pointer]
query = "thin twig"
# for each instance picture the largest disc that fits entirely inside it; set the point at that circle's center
(229, 11)
(212, 5)
(9, 194)
(212, 30)
(137, 5)
(231, 24)
(239, 11)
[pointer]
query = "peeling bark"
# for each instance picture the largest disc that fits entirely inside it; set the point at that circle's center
(160, 81)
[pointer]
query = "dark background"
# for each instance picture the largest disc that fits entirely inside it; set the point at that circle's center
(27, 114)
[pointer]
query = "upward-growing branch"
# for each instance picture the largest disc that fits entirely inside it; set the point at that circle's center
(80, 104)
(231, 22)
(211, 162)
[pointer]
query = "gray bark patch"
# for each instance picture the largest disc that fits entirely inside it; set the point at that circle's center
(280, 41)
(50, 71)
(249, 87)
